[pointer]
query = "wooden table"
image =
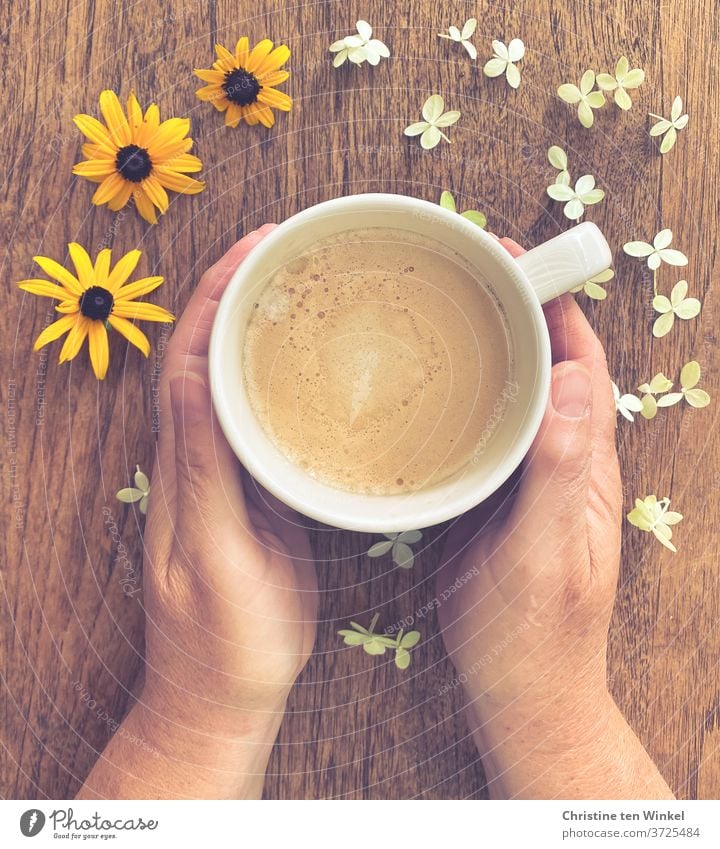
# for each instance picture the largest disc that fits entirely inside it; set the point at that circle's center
(357, 727)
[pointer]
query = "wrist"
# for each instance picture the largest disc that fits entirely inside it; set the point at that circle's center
(169, 712)
(202, 752)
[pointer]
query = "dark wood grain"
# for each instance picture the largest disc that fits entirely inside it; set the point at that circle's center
(357, 728)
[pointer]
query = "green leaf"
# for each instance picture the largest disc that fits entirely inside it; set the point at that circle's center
(352, 638)
(375, 647)
(412, 638)
(403, 555)
(594, 291)
(141, 480)
(402, 658)
(649, 407)
(690, 375)
(557, 158)
(410, 536)
(447, 201)
(660, 383)
(380, 548)
(129, 495)
(663, 324)
(476, 217)
(697, 398)
(670, 399)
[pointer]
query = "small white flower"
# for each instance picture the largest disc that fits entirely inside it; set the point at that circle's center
(503, 61)
(625, 78)
(584, 96)
(584, 194)
(399, 546)
(140, 492)
(657, 386)
(669, 127)
(359, 48)
(627, 404)
(592, 287)
(658, 252)
(689, 379)
(429, 129)
(454, 34)
(558, 159)
(678, 304)
(654, 516)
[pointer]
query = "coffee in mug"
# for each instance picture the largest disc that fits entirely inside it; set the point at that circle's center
(378, 361)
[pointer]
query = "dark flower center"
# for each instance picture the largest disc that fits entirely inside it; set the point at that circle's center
(133, 163)
(241, 87)
(96, 303)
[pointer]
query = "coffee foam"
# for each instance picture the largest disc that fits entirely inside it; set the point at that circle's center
(375, 361)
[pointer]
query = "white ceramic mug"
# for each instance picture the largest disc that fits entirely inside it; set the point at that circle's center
(521, 285)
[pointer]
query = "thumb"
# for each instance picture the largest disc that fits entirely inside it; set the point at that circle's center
(552, 498)
(209, 490)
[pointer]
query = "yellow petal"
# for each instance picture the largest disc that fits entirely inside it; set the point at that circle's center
(173, 129)
(123, 269)
(152, 115)
(83, 265)
(96, 132)
(44, 288)
(133, 334)
(144, 206)
(252, 113)
(272, 78)
(68, 307)
(185, 164)
(265, 116)
(134, 111)
(210, 75)
(54, 331)
(142, 311)
(233, 115)
(277, 99)
(115, 118)
(109, 187)
(57, 272)
(102, 266)
(160, 151)
(258, 54)
(241, 51)
(274, 60)
(96, 151)
(211, 93)
(122, 197)
(99, 351)
(156, 193)
(225, 58)
(94, 168)
(137, 288)
(74, 339)
(177, 182)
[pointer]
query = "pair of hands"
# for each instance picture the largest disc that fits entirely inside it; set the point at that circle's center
(230, 586)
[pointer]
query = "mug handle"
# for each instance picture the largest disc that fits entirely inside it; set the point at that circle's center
(566, 261)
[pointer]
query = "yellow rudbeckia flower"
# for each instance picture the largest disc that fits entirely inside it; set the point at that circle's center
(93, 299)
(137, 156)
(242, 84)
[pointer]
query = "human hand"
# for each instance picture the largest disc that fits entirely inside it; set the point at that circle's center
(230, 596)
(230, 586)
(547, 561)
(527, 630)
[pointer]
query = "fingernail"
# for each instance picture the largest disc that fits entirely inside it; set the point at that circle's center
(572, 392)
